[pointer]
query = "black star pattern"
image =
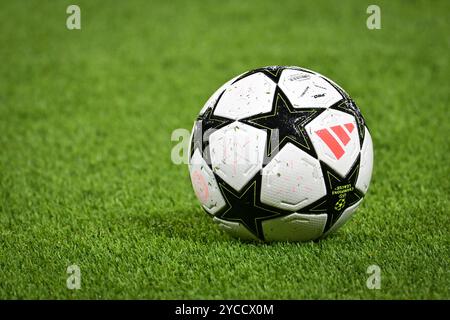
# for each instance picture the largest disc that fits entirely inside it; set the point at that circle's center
(245, 207)
(273, 72)
(349, 106)
(288, 123)
(341, 194)
(206, 124)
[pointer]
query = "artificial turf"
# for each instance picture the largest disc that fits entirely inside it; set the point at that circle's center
(86, 177)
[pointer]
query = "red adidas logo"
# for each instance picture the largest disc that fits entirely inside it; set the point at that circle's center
(331, 141)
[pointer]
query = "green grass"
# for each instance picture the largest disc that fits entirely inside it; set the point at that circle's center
(85, 170)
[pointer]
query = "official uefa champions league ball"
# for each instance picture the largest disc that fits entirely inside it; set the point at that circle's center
(280, 154)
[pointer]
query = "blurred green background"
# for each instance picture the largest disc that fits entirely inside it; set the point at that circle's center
(85, 172)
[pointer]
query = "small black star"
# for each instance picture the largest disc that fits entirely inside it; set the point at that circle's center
(244, 207)
(341, 194)
(289, 123)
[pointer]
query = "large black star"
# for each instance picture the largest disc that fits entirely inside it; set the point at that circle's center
(206, 124)
(287, 122)
(341, 194)
(244, 207)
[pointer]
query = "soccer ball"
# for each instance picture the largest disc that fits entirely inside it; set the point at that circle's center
(280, 154)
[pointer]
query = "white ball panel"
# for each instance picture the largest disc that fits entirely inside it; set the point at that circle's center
(306, 90)
(292, 180)
(247, 97)
(345, 216)
(366, 164)
(237, 153)
(235, 229)
(212, 100)
(334, 135)
(205, 184)
(321, 75)
(294, 227)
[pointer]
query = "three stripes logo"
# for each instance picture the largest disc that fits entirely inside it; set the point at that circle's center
(333, 144)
